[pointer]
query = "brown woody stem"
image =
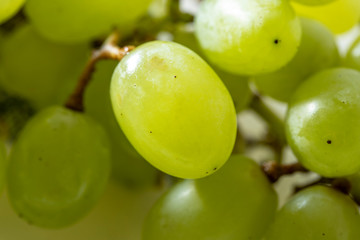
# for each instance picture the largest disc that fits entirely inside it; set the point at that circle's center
(274, 170)
(109, 50)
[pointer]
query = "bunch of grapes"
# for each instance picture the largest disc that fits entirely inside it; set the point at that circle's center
(145, 119)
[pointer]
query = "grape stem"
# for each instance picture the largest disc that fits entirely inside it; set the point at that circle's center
(108, 50)
(276, 125)
(275, 170)
(341, 184)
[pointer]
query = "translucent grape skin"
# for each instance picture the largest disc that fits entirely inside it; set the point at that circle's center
(9, 8)
(128, 167)
(317, 51)
(314, 2)
(174, 109)
(329, 14)
(315, 213)
(237, 202)
(32, 72)
(237, 40)
(237, 85)
(352, 59)
(58, 168)
(73, 21)
(321, 123)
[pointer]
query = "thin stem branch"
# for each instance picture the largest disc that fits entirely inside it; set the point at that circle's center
(109, 50)
(274, 170)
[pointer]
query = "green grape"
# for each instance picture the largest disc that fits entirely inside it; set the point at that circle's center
(127, 165)
(248, 37)
(81, 20)
(9, 8)
(3, 162)
(353, 56)
(321, 123)
(317, 51)
(237, 202)
(314, 2)
(58, 168)
(33, 68)
(315, 213)
(237, 86)
(174, 109)
(330, 14)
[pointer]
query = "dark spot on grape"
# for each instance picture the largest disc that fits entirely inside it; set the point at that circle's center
(207, 172)
(276, 41)
(174, 76)
(150, 131)
(323, 234)
(121, 114)
(328, 141)
(134, 85)
(215, 168)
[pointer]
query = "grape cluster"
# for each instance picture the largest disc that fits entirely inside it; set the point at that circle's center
(144, 97)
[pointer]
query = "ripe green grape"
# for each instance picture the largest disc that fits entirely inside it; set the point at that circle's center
(34, 68)
(314, 2)
(174, 109)
(317, 51)
(353, 56)
(322, 122)
(58, 168)
(248, 37)
(9, 8)
(127, 165)
(237, 85)
(237, 202)
(315, 213)
(81, 20)
(338, 15)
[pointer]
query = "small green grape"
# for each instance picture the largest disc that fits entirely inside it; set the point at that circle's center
(330, 14)
(352, 59)
(237, 202)
(316, 213)
(322, 122)
(36, 70)
(128, 166)
(9, 8)
(174, 109)
(73, 21)
(58, 168)
(248, 37)
(237, 85)
(317, 51)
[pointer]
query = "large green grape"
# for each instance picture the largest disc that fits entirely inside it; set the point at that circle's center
(317, 51)
(237, 85)
(338, 15)
(174, 109)
(82, 20)
(237, 202)
(317, 213)
(353, 56)
(35, 69)
(313, 2)
(248, 37)
(322, 125)
(127, 165)
(58, 168)
(8, 8)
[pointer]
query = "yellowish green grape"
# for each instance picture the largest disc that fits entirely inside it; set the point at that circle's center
(322, 122)
(353, 56)
(237, 202)
(237, 85)
(58, 168)
(127, 165)
(9, 8)
(81, 20)
(317, 51)
(248, 37)
(317, 213)
(338, 15)
(34, 68)
(174, 109)
(314, 2)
